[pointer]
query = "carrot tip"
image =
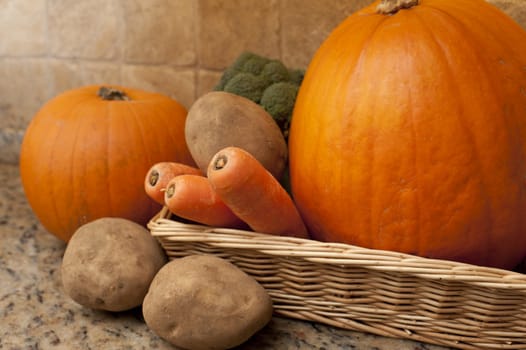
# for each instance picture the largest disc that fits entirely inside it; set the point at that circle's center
(220, 162)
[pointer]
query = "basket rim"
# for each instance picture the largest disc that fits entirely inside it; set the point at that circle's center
(168, 230)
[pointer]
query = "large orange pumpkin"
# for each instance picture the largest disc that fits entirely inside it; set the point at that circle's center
(409, 133)
(86, 152)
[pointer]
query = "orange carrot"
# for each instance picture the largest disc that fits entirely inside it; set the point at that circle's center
(191, 197)
(253, 194)
(160, 174)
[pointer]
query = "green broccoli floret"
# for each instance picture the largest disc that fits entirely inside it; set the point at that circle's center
(252, 63)
(265, 81)
(278, 100)
(274, 72)
(247, 85)
(247, 62)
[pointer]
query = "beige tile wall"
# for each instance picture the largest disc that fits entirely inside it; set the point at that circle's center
(176, 47)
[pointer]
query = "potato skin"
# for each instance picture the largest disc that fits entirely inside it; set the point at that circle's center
(203, 302)
(219, 119)
(109, 264)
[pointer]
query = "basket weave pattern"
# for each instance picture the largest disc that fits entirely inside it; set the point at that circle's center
(380, 292)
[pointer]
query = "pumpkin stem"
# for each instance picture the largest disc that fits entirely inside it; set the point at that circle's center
(390, 7)
(111, 94)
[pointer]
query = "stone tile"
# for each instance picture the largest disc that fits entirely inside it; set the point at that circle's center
(24, 88)
(85, 29)
(160, 31)
(228, 27)
(176, 83)
(100, 73)
(23, 28)
(306, 23)
(67, 75)
(206, 81)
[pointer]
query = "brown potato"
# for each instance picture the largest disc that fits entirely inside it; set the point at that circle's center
(109, 264)
(219, 119)
(205, 302)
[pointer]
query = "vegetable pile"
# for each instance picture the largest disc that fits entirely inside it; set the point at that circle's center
(242, 156)
(114, 264)
(427, 160)
(218, 164)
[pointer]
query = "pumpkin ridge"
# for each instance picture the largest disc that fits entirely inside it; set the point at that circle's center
(512, 129)
(375, 222)
(366, 46)
(172, 137)
(416, 169)
(58, 213)
(87, 164)
(470, 137)
(506, 47)
(469, 16)
(140, 127)
(81, 104)
(414, 202)
(482, 25)
(109, 159)
(158, 144)
(370, 32)
(55, 210)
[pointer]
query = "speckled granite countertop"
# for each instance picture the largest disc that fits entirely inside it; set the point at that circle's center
(36, 314)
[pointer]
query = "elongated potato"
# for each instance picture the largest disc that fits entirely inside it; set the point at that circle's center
(219, 119)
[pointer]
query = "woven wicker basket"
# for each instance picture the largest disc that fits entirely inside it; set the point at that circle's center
(380, 292)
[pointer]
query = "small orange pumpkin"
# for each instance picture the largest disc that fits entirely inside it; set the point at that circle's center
(409, 132)
(86, 152)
